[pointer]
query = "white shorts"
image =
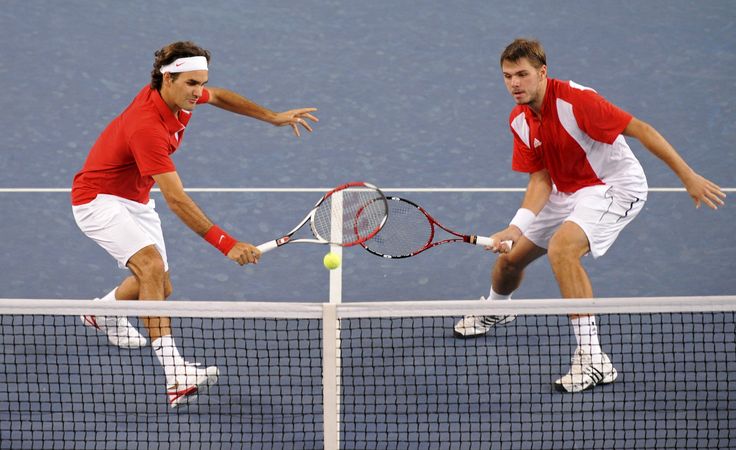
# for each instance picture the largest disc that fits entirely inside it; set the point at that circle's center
(601, 211)
(121, 226)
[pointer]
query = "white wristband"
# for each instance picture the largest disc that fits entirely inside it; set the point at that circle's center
(523, 218)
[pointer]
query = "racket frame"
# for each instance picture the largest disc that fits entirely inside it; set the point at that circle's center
(287, 238)
(467, 238)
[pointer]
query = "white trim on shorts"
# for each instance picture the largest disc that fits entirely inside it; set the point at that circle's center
(601, 211)
(121, 226)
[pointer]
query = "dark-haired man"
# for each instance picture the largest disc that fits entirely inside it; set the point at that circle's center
(111, 204)
(585, 185)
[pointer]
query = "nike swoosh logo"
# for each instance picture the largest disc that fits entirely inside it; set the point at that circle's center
(221, 238)
(179, 64)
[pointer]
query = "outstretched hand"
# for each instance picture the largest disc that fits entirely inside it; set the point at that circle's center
(705, 191)
(295, 118)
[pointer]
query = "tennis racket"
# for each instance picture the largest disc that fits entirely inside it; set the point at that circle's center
(410, 230)
(347, 215)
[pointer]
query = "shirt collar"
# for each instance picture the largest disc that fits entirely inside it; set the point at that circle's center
(548, 96)
(170, 119)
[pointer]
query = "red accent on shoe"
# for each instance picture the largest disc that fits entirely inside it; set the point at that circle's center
(176, 395)
(91, 320)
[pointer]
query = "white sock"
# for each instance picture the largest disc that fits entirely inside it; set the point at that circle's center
(110, 297)
(105, 322)
(168, 355)
(586, 333)
(495, 296)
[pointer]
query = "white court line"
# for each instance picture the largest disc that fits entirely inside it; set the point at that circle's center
(278, 190)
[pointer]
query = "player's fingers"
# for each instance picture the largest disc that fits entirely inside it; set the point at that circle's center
(248, 256)
(295, 128)
(304, 123)
(495, 247)
(717, 199)
(303, 111)
(310, 117)
(718, 196)
(709, 202)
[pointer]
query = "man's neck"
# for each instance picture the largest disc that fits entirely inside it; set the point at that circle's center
(536, 105)
(170, 103)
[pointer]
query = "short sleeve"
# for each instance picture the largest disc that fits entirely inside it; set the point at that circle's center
(598, 118)
(151, 152)
(205, 98)
(524, 159)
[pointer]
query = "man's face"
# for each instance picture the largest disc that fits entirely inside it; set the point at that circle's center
(184, 91)
(524, 82)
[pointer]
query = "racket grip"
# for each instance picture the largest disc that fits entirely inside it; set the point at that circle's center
(267, 247)
(487, 242)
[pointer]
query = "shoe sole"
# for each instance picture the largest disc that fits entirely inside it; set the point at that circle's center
(468, 336)
(461, 335)
(608, 379)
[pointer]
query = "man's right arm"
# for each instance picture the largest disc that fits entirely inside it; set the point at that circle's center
(537, 194)
(184, 207)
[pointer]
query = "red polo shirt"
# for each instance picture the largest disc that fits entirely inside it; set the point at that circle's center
(135, 145)
(577, 139)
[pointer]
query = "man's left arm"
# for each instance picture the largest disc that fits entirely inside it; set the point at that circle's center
(236, 103)
(699, 188)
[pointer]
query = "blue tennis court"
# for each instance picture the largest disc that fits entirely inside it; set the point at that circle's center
(410, 98)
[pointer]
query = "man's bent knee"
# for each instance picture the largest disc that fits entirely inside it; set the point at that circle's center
(568, 244)
(147, 265)
(505, 266)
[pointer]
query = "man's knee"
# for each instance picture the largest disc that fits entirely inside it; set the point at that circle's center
(147, 265)
(568, 245)
(507, 267)
(513, 264)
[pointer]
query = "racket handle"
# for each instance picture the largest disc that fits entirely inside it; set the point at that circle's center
(487, 242)
(267, 247)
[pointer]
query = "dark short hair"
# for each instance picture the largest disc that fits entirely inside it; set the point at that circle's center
(530, 49)
(170, 53)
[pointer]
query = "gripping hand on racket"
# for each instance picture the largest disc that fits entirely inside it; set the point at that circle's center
(537, 194)
(244, 253)
(502, 239)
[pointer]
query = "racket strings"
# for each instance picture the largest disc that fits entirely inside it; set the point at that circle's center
(406, 231)
(350, 216)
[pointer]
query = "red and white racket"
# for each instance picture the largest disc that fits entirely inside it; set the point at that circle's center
(410, 230)
(347, 215)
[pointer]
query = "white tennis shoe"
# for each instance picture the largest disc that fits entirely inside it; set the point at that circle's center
(119, 331)
(190, 381)
(584, 374)
(473, 326)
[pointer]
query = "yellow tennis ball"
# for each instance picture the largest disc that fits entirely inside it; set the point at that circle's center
(331, 261)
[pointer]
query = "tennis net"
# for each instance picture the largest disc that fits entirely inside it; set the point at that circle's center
(372, 375)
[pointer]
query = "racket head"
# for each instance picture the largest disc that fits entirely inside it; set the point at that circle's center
(350, 214)
(408, 231)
